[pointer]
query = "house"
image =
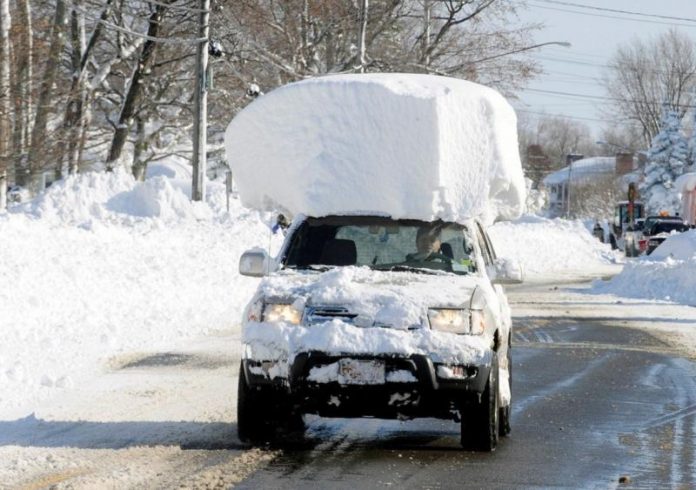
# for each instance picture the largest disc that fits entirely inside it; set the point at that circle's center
(583, 177)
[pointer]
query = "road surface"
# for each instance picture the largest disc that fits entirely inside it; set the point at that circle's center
(604, 396)
(596, 402)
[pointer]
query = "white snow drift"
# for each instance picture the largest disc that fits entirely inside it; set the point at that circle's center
(101, 265)
(668, 274)
(414, 146)
(552, 248)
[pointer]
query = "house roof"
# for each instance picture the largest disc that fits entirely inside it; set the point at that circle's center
(582, 170)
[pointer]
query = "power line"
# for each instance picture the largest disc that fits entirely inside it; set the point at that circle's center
(645, 70)
(617, 11)
(599, 97)
(644, 21)
(564, 116)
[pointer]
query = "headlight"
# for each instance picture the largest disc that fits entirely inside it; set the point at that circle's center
(459, 321)
(449, 320)
(276, 312)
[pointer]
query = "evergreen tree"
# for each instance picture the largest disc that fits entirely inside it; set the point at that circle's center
(691, 161)
(667, 157)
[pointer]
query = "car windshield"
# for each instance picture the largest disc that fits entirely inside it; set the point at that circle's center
(381, 244)
(667, 227)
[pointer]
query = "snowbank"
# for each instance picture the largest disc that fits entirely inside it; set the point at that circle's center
(552, 248)
(101, 265)
(680, 246)
(667, 280)
(415, 146)
(668, 274)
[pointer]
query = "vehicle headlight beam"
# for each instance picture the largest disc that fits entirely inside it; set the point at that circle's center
(279, 312)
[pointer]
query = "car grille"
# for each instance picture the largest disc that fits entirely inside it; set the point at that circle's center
(320, 314)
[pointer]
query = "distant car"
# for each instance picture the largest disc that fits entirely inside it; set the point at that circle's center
(657, 229)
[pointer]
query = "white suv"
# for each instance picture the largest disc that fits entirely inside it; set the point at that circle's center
(369, 316)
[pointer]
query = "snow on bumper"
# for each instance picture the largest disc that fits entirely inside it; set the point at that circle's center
(282, 342)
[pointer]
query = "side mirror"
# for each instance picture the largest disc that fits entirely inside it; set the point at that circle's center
(506, 271)
(254, 263)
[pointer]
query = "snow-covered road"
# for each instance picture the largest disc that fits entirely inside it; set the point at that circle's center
(166, 418)
(153, 419)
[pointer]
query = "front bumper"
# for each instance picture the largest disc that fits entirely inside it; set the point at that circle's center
(431, 392)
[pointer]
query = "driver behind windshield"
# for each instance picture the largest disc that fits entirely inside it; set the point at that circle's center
(428, 245)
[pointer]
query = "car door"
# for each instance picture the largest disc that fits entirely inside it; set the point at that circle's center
(489, 255)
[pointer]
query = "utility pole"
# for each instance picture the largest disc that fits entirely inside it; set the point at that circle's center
(200, 126)
(570, 176)
(363, 30)
(427, 8)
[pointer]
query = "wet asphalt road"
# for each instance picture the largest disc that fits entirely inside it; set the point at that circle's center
(593, 403)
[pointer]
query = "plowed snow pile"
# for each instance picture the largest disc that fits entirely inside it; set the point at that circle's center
(668, 274)
(100, 265)
(410, 146)
(555, 248)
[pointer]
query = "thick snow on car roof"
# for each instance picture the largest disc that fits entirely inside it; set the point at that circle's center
(409, 146)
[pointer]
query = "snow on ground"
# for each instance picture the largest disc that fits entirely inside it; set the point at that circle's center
(100, 265)
(553, 248)
(668, 274)
(410, 146)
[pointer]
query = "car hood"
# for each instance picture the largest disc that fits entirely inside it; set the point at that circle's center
(376, 298)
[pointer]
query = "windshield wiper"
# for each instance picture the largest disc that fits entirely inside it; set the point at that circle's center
(311, 267)
(407, 268)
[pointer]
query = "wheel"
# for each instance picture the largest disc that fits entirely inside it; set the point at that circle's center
(505, 413)
(265, 415)
(479, 427)
(252, 418)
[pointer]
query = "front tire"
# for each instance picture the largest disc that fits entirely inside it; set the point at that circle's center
(252, 420)
(505, 413)
(480, 426)
(265, 416)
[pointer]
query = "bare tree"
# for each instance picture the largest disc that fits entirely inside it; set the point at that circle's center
(286, 41)
(129, 105)
(554, 138)
(5, 103)
(24, 85)
(595, 198)
(45, 104)
(646, 75)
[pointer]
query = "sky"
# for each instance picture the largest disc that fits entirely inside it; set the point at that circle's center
(594, 36)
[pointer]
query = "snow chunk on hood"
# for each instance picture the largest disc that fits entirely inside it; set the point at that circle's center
(410, 146)
(396, 299)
